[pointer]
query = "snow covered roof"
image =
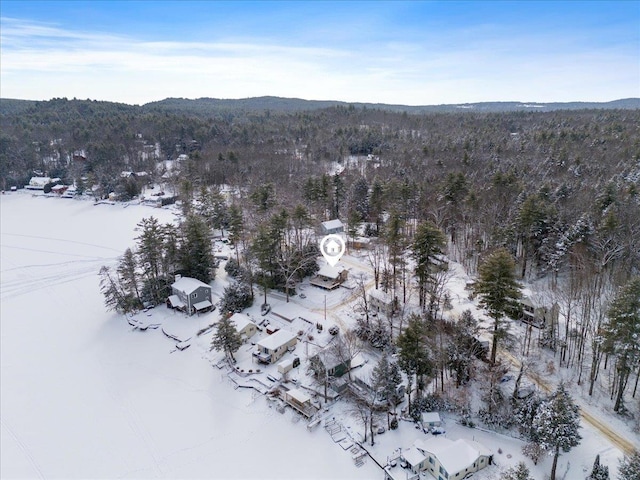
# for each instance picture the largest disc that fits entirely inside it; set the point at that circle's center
(413, 456)
(39, 181)
(241, 321)
(380, 295)
(431, 417)
(454, 456)
(202, 305)
(298, 395)
(330, 272)
(276, 340)
(332, 224)
(189, 285)
(175, 301)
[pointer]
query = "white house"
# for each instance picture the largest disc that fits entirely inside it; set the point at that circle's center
(273, 347)
(447, 459)
(244, 326)
(38, 183)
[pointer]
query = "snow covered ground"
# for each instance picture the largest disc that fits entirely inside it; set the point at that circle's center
(86, 395)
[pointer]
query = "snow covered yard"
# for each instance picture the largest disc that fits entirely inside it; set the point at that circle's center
(84, 395)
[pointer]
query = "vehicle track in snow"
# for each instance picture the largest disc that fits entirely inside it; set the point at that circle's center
(625, 445)
(24, 448)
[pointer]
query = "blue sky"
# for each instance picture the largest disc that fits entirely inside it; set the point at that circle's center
(414, 53)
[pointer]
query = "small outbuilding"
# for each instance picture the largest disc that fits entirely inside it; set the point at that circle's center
(431, 419)
(300, 401)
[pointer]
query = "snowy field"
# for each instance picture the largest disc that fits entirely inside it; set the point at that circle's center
(85, 395)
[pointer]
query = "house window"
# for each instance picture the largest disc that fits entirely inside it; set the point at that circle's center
(194, 295)
(431, 460)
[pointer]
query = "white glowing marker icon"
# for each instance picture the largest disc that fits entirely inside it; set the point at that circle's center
(332, 248)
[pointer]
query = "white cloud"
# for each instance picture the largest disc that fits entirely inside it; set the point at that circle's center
(41, 61)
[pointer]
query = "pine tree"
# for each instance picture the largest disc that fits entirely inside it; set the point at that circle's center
(599, 472)
(630, 467)
(498, 291)
(414, 356)
(226, 338)
(236, 297)
(428, 243)
(129, 281)
(557, 422)
(195, 251)
(519, 472)
(114, 297)
(386, 378)
(623, 334)
(150, 253)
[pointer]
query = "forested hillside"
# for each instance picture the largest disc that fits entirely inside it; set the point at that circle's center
(537, 195)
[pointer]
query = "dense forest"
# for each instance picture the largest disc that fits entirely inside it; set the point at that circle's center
(557, 190)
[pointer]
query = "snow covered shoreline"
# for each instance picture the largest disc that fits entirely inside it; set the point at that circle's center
(86, 396)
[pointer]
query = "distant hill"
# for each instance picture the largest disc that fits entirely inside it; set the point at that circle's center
(216, 106)
(279, 104)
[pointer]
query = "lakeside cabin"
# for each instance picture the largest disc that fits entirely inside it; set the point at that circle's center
(447, 459)
(330, 278)
(244, 326)
(272, 348)
(300, 401)
(190, 295)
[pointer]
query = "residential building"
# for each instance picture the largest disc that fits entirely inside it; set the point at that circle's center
(190, 295)
(329, 277)
(272, 348)
(447, 459)
(331, 227)
(244, 326)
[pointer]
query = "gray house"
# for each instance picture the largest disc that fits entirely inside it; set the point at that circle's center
(190, 295)
(331, 226)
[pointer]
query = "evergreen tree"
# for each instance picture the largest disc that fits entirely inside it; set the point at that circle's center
(212, 207)
(599, 471)
(428, 243)
(557, 422)
(623, 335)
(226, 338)
(236, 228)
(114, 297)
(414, 356)
(150, 253)
(630, 467)
(236, 297)
(129, 281)
(519, 472)
(498, 291)
(386, 378)
(195, 250)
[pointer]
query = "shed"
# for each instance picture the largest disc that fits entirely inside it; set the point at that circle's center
(288, 364)
(431, 419)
